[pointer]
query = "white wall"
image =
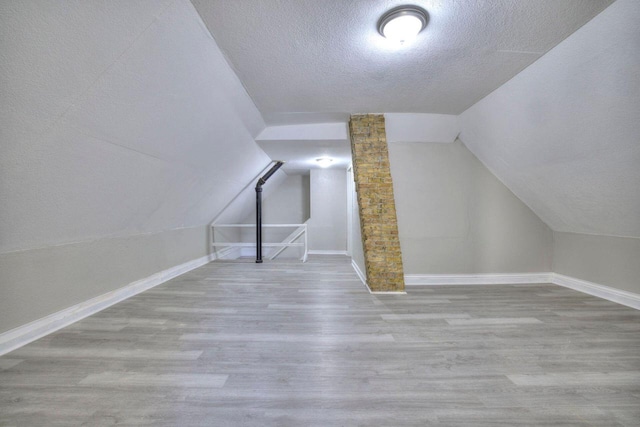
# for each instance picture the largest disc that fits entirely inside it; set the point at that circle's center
(563, 133)
(124, 132)
(455, 217)
(328, 222)
(610, 261)
(287, 202)
(37, 282)
(421, 127)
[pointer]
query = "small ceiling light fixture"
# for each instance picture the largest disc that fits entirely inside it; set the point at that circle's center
(403, 23)
(324, 162)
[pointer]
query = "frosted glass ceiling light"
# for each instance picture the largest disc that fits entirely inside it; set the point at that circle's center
(324, 162)
(403, 23)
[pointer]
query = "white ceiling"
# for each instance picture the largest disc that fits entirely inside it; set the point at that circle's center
(564, 134)
(300, 145)
(117, 118)
(126, 118)
(297, 56)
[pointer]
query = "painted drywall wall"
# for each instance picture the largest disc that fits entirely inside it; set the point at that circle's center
(605, 260)
(455, 217)
(287, 203)
(301, 144)
(120, 121)
(290, 203)
(328, 222)
(563, 134)
(420, 127)
(43, 281)
(241, 210)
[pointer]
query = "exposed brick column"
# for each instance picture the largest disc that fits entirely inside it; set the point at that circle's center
(378, 222)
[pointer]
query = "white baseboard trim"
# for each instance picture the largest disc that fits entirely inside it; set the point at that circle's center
(475, 279)
(360, 274)
(322, 252)
(22, 335)
(229, 253)
(363, 279)
(387, 292)
(619, 296)
(25, 334)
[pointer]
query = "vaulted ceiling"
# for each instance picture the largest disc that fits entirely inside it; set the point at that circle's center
(564, 134)
(124, 118)
(117, 118)
(546, 91)
(326, 56)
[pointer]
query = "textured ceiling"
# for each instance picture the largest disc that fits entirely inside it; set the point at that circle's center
(564, 134)
(326, 56)
(116, 118)
(300, 145)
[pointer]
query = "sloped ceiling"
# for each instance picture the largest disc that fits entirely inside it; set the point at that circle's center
(561, 133)
(124, 117)
(564, 134)
(300, 145)
(117, 118)
(326, 56)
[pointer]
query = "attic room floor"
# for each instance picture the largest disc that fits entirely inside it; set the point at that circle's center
(291, 344)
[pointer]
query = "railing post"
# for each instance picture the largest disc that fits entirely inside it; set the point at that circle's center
(259, 225)
(259, 185)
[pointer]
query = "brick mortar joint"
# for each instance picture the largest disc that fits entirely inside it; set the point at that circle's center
(377, 210)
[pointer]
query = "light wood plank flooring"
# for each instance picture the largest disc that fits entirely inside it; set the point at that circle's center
(291, 344)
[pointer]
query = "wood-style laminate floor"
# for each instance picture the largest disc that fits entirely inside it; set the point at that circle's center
(291, 344)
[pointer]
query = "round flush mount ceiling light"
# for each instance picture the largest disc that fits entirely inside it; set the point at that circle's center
(403, 23)
(324, 162)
